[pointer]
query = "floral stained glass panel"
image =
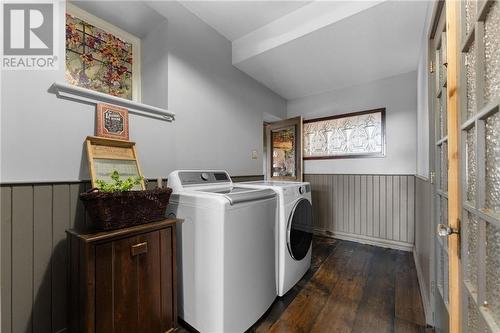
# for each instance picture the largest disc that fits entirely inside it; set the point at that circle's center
(97, 60)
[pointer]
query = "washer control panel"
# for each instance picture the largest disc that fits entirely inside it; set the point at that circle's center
(203, 177)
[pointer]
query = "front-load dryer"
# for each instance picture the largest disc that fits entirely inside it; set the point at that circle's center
(294, 230)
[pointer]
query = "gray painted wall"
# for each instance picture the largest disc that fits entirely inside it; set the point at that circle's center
(219, 109)
(398, 95)
(370, 209)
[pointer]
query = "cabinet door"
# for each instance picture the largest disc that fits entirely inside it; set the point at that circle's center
(132, 276)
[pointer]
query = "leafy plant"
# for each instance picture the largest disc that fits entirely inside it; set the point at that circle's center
(117, 184)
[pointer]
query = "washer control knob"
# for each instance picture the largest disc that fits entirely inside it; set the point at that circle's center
(204, 176)
(302, 189)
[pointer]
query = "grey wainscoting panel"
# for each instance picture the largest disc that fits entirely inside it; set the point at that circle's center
(6, 252)
(42, 245)
(373, 209)
(34, 219)
(22, 258)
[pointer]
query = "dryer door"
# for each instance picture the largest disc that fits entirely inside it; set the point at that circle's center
(299, 231)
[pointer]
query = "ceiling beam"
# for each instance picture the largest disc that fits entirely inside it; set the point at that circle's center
(296, 24)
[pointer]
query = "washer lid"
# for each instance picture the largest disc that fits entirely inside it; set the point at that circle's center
(239, 194)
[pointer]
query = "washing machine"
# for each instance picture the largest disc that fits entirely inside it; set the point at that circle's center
(226, 277)
(294, 230)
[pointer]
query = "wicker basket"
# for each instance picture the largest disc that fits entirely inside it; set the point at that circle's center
(124, 209)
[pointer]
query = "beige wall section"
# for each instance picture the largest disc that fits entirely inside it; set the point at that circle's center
(371, 209)
(423, 241)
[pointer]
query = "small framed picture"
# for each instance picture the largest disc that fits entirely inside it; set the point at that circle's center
(112, 122)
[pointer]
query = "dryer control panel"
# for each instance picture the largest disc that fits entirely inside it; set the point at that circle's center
(203, 177)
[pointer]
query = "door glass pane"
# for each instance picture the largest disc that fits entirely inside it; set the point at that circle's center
(472, 230)
(492, 200)
(473, 319)
(470, 15)
(444, 217)
(440, 66)
(442, 115)
(444, 167)
(492, 54)
(493, 270)
(443, 273)
(443, 59)
(471, 165)
(283, 148)
(470, 75)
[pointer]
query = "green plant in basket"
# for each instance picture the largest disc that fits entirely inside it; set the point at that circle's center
(117, 184)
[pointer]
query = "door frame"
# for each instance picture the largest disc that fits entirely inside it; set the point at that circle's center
(446, 21)
(454, 180)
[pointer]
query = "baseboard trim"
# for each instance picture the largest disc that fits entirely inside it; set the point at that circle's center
(423, 286)
(386, 243)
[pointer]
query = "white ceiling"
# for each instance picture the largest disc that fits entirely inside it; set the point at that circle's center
(303, 48)
(234, 19)
(117, 13)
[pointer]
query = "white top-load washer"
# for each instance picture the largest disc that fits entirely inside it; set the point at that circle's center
(294, 230)
(226, 275)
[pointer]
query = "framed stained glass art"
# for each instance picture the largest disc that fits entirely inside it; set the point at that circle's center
(359, 134)
(100, 56)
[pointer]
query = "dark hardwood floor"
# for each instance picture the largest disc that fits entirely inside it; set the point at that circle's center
(350, 287)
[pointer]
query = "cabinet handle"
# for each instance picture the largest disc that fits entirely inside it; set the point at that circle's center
(139, 248)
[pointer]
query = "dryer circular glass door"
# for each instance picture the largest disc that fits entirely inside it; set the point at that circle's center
(299, 231)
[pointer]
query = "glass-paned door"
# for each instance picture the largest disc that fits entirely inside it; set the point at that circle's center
(284, 142)
(438, 93)
(480, 165)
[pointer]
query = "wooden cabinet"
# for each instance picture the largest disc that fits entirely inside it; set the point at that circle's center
(123, 280)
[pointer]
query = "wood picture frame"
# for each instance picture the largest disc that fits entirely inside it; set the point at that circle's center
(112, 122)
(105, 155)
(375, 136)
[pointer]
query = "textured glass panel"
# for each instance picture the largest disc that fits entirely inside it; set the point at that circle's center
(492, 52)
(440, 281)
(283, 145)
(445, 113)
(440, 66)
(443, 120)
(493, 163)
(97, 60)
(473, 317)
(472, 226)
(444, 217)
(470, 75)
(470, 14)
(493, 270)
(471, 166)
(441, 116)
(444, 166)
(345, 136)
